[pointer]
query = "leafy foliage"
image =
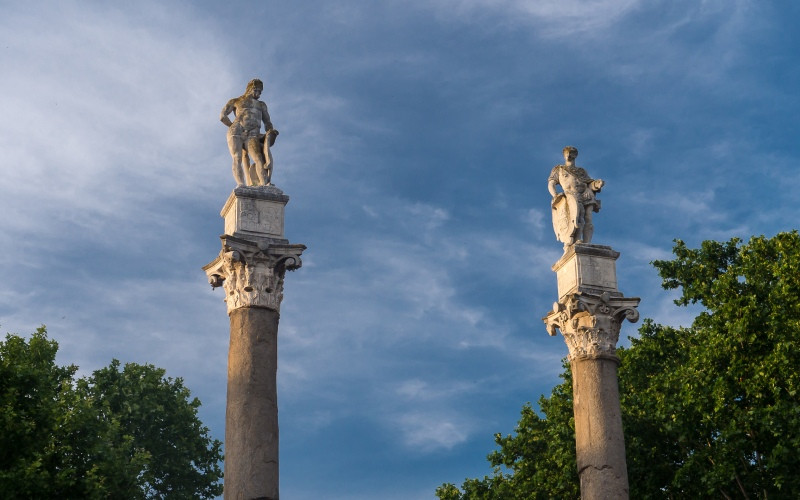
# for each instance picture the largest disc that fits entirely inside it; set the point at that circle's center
(732, 403)
(709, 411)
(129, 433)
(537, 462)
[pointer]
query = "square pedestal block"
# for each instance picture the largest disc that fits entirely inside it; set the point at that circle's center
(255, 212)
(587, 268)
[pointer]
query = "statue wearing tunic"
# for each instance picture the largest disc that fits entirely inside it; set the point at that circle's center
(573, 207)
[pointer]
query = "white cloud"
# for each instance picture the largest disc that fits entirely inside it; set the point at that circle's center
(430, 432)
(641, 142)
(428, 216)
(535, 218)
(415, 299)
(110, 118)
(552, 18)
(419, 390)
(665, 312)
(688, 205)
(644, 253)
(564, 18)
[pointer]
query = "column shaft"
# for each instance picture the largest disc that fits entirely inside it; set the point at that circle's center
(251, 431)
(599, 441)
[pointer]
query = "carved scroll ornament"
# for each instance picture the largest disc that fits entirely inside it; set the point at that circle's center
(252, 275)
(590, 323)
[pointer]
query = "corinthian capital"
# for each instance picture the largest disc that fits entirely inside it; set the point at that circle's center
(590, 323)
(251, 273)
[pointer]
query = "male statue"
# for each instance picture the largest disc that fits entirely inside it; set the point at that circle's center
(572, 209)
(245, 139)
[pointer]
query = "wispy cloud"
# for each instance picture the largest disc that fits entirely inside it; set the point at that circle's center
(119, 104)
(429, 432)
(552, 18)
(415, 143)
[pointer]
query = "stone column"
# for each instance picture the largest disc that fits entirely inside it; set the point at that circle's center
(588, 313)
(251, 268)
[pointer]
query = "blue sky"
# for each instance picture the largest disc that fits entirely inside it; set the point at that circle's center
(416, 141)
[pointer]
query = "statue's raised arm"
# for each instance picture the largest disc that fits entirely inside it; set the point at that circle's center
(574, 205)
(245, 140)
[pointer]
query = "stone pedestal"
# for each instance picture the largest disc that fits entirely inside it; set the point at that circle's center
(588, 313)
(255, 212)
(251, 268)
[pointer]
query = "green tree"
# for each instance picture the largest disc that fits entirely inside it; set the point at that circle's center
(129, 433)
(730, 405)
(36, 409)
(156, 421)
(537, 462)
(712, 410)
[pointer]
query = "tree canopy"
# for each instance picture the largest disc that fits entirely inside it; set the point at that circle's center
(123, 432)
(711, 410)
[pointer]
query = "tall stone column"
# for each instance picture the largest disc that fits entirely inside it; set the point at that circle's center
(251, 267)
(589, 312)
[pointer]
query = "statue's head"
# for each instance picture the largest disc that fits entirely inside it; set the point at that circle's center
(253, 85)
(570, 152)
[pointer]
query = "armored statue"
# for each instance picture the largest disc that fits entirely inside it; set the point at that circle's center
(245, 140)
(574, 205)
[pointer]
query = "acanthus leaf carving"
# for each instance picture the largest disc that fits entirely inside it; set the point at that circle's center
(591, 323)
(252, 273)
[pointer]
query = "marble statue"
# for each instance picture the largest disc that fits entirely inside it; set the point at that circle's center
(573, 207)
(245, 140)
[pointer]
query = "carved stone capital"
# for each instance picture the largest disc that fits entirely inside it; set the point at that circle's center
(251, 273)
(590, 323)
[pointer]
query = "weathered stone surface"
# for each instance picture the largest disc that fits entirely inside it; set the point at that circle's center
(573, 207)
(599, 440)
(590, 323)
(251, 267)
(587, 268)
(252, 273)
(589, 313)
(255, 213)
(251, 420)
(245, 140)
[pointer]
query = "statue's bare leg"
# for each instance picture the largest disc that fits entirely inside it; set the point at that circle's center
(253, 174)
(254, 150)
(588, 227)
(235, 146)
(248, 171)
(237, 171)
